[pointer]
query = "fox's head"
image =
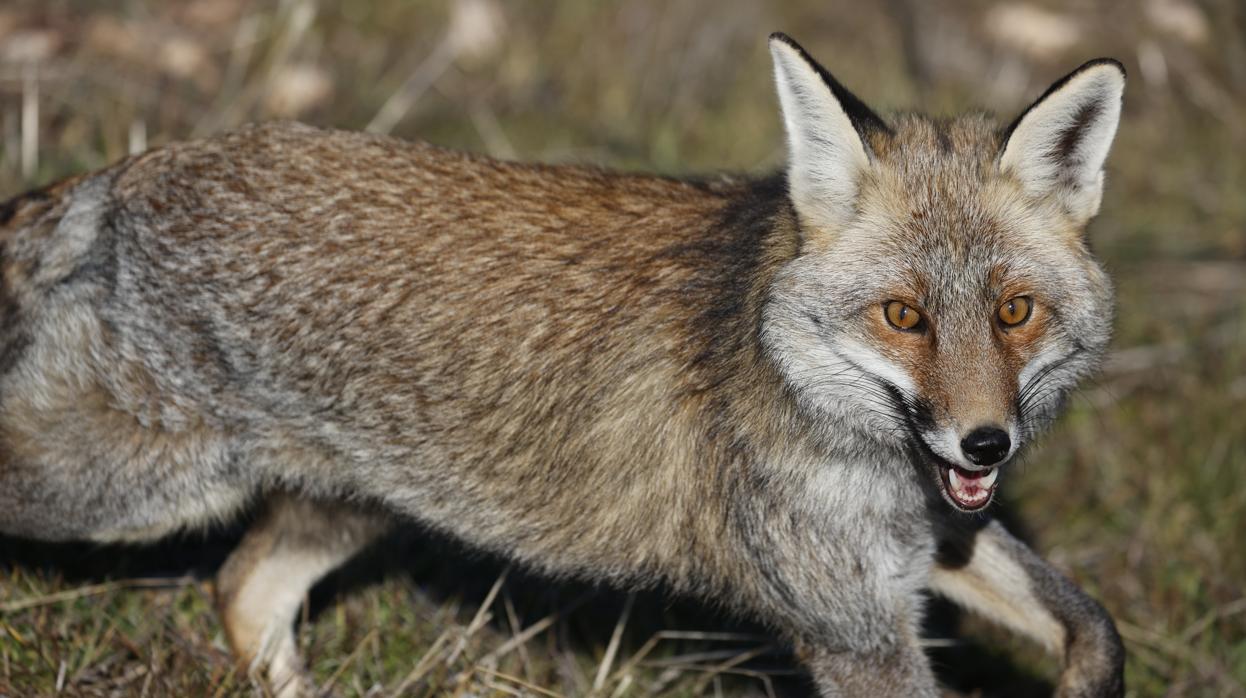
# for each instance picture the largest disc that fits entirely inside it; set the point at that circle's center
(944, 300)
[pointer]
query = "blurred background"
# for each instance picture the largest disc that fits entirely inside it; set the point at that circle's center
(1139, 494)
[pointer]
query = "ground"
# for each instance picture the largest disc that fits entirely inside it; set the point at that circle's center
(1139, 493)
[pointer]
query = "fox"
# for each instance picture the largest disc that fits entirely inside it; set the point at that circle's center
(792, 394)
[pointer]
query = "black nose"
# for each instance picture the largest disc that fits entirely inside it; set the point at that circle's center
(986, 445)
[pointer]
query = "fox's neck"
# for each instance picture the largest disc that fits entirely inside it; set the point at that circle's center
(757, 235)
(754, 237)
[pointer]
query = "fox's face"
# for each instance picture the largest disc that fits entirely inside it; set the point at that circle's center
(944, 301)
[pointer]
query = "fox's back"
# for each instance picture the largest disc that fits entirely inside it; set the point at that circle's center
(391, 270)
(435, 319)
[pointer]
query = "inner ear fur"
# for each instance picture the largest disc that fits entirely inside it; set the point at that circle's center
(828, 132)
(1057, 147)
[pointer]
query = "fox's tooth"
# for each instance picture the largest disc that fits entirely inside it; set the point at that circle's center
(953, 479)
(989, 479)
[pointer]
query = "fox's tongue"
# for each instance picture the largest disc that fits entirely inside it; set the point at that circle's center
(971, 488)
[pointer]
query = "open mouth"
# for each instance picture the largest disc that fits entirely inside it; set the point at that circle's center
(969, 490)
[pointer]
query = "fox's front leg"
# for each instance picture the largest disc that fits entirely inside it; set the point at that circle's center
(891, 664)
(992, 573)
(262, 585)
(850, 601)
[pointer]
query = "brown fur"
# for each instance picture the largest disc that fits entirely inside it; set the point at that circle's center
(592, 373)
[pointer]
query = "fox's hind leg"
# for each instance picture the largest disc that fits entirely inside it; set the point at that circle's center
(261, 587)
(99, 453)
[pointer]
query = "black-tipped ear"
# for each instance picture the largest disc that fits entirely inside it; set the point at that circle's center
(1058, 145)
(863, 119)
(828, 132)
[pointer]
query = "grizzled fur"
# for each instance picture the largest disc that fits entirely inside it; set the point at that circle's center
(618, 377)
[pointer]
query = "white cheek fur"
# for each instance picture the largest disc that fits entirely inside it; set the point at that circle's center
(835, 375)
(1037, 364)
(874, 363)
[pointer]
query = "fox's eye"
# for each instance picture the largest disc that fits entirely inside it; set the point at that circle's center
(1015, 311)
(901, 316)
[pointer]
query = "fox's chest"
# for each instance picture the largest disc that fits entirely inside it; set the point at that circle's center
(872, 511)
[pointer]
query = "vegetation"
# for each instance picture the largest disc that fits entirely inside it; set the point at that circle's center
(1139, 494)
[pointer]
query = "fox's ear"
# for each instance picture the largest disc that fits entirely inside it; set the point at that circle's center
(827, 129)
(1058, 145)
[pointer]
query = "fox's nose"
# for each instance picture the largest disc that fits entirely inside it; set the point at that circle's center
(986, 445)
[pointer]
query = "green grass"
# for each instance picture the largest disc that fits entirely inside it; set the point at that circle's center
(1139, 494)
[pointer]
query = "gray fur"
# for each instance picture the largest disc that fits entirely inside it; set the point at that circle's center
(616, 377)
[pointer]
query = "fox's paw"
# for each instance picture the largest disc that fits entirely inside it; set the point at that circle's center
(1095, 661)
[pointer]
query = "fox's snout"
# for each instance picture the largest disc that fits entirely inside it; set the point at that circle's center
(984, 445)
(987, 445)
(970, 417)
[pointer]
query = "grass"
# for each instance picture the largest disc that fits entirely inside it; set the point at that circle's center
(1139, 494)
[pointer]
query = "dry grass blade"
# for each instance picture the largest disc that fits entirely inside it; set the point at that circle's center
(692, 658)
(225, 683)
(94, 590)
(533, 630)
(325, 690)
(621, 688)
(709, 636)
(519, 682)
(612, 649)
(416, 85)
(636, 659)
(512, 618)
(30, 122)
(718, 669)
(423, 666)
(500, 688)
(478, 621)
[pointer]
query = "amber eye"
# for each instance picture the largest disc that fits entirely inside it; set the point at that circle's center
(901, 316)
(1015, 311)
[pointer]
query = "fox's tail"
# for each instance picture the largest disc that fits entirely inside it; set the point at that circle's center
(20, 217)
(27, 209)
